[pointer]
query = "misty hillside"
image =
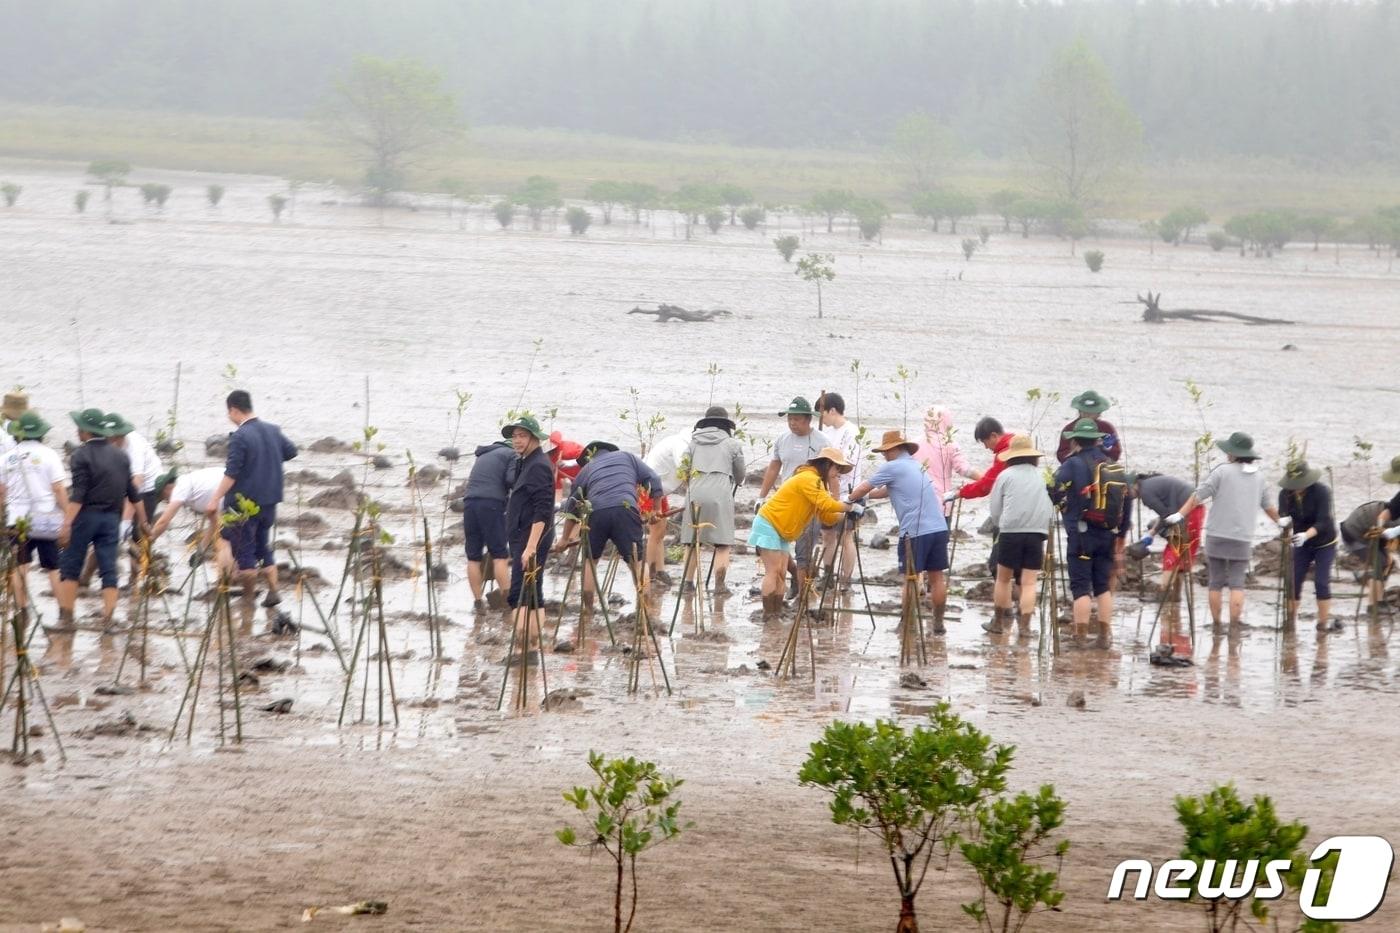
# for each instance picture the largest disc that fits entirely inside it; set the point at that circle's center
(1314, 82)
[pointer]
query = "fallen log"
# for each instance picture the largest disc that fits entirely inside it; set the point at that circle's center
(666, 312)
(1152, 313)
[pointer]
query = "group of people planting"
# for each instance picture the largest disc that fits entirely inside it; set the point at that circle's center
(817, 485)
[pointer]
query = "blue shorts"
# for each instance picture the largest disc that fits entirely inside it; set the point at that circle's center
(620, 524)
(249, 540)
(1089, 554)
(484, 526)
(764, 535)
(100, 531)
(930, 552)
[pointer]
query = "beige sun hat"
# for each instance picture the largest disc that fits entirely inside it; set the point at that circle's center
(1020, 446)
(893, 439)
(836, 457)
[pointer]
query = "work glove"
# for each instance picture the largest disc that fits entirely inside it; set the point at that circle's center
(951, 495)
(1173, 519)
(1300, 539)
(1390, 534)
(856, 510)
(1286, 522)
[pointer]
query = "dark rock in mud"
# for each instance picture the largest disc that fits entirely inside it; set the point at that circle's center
(1076, 700)
(880, 543)
(439, 574)
(114, 690)
(976, 571)
(450, 454)
(329, 445)
(336, 497)
(456, 506)
(278, 707)
(123, 726)
(980, 592)
(426, 476)
(168, 448)
(959, 534)
(382, 462)
(764, 666)
(564, 647)
(303, 477)
(216, 446)
(1267, 558)
(308, 523)
(755, 476)
(912, 681)
(568, 700)
(709, 636)
(270, 665)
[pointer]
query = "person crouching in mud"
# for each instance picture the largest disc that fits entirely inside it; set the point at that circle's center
(788, 513)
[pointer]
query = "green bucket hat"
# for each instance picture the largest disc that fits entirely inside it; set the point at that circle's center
(1392, 475)
(528, 423)
(29, 427)
(164, 480)
(117, 426)
(798, 406)
(1089, 402)
(1239, 445)
(92, 421)
(593, 448)
(1085, 429)
(1298, 475)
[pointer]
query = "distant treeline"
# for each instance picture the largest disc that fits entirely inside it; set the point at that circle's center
(1304, 80)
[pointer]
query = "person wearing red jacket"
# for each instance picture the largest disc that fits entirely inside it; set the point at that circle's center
(563, 456)
(991, 435)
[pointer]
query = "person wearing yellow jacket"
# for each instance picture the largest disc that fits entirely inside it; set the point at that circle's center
(789, 511)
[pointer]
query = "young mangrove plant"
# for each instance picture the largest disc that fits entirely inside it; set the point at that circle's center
(816, 268)
(632, 808)
(1017, 863)
(914, 791)
(1202, 446)
(786, 246)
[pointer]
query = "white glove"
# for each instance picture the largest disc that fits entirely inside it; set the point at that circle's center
(1390, 534)
(1286, 522)
(1172, 519)
(1300, 539)
(951, 495)
(857, 510)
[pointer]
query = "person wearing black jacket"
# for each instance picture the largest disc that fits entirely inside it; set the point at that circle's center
(529, 514)
(1314, 542)
(484, 520)
(101, 486)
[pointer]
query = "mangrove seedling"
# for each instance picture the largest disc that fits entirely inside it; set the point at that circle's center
(1007, 851)
(214, 194)
(10, 191)
(714, 219)
(786, 246)
(578, 220)
(109, 173)
(903, 375)
(1202, 445)
(914, 791)
(277, 202)
(816, 268)
(646, 428)
(1040, 403)
(80, 200)
(632, 808)
(984, 234)
(155, 193)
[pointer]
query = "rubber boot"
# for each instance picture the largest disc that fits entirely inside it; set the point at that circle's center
(1023, 623)
(719, 581)
(938, 627)
(994, 626)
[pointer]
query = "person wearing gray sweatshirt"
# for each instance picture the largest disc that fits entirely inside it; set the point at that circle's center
(1237, 491)
(1022, 512)
(714, 469)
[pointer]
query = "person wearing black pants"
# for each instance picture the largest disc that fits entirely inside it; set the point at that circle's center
(1314, 542)
(529, 523)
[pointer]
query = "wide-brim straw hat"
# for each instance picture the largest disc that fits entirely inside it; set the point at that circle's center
(1392, 475)
(526, 422)
(836, 457)
(1239, 445)
(893, 439)
(1089, 401)
(29, 426)
(1085, 429)
(1298, 475)
(1020, 446)
(91, 421)
(16, 404)
(716, 416)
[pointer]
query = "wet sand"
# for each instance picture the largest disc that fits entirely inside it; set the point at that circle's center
(450, 817)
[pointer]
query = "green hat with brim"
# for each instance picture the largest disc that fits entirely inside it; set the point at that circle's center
(1085, 429)
(1239, 445)
(164, 480)
(593, 448)
(526, 422)
(1392, 475)
(1298, 475)
(29, 427)
(798, 406)
(91, 421)
(1089, 402)
(117, 426)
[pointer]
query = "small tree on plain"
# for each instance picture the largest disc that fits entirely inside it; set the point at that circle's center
(276, 202)
(1093, 258)
(1315, 227)
(870, 217)
(578, 220)
(984, 234)
(1180, 222)
(537, 195)
(214, 194)
(639, 196)
(1007, 849)
(830, 203)
(505, 213)
(109, 173)
(1217, 240)
(734, 197)
(751, 217)
(816, 268)
(155, 193)
(607, 195)
(1027, 211)
(714, 219)
(634, 808)
(80, 200)
(10, 192)
(1002, 203)
(969, 246)
(786, 246)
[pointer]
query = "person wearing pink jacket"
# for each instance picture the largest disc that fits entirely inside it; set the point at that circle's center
(942, 456)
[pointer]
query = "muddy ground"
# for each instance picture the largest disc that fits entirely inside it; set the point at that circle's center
(450, 816)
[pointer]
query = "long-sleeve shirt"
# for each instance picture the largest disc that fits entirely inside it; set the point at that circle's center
(256, 452)
(611, 479)
(1020, 503)
(101, 477)
(713, 450)
(665, 459)
(487, 479)
(531, 496)
(1163, 494)
(1310, 507)
(978, 489)
(1236, 491)
(790, 509)
(1073, 482)
(1112, 444)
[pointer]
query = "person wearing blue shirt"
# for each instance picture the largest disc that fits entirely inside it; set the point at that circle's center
(1091, 551)
(256, 452)
(605, 496)
(923, 532)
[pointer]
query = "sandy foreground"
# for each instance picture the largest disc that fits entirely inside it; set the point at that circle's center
(450, 817)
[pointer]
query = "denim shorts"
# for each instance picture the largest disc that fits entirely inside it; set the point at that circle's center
(764, 535)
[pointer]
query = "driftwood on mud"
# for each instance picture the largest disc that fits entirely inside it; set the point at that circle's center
(666, 312)
(1152, 313)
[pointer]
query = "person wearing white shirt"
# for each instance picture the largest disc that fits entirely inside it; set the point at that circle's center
(845, 437)
(145, 467)
(667, 458)
(34, 488)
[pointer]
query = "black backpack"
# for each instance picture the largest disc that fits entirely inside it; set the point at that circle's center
(1108, 495)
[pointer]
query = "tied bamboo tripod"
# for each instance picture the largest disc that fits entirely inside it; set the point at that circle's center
(1182, 574)
(218, 630)
(368, 596)
(528, 613)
